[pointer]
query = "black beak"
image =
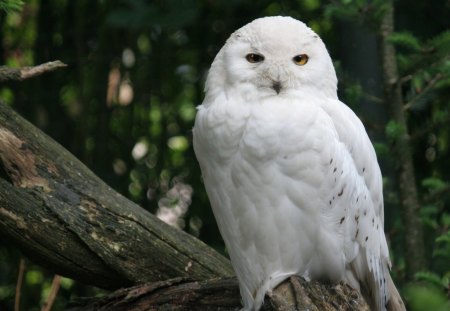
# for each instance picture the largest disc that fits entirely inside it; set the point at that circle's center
(276, 86)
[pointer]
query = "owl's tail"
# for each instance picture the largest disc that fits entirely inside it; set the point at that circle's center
(371, 277)
(395, 302)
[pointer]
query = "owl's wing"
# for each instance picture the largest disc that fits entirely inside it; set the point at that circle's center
(353, 135)
(365, 242)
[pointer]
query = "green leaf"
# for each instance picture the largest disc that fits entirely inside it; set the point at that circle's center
(444, 238)
(441, 42)
(10, 6)
(381, 149)
(394, 130)
(428, 215)
(426, 298)
(431, 278)
(434, 183)
(405, 39)
(443, 245)
(445, 220)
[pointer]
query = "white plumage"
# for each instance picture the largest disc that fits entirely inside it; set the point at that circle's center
(290, 172)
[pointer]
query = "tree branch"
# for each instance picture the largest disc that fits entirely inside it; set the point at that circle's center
(409, 105)
(64, 217)
(20, 74)
(223, 294)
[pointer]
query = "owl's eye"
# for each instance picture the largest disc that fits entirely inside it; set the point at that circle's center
(254, 58)
(300, 59)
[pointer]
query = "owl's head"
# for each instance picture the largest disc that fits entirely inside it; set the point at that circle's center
(273, 56)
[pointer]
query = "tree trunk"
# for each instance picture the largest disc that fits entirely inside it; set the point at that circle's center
(414, 243)
(64, 217)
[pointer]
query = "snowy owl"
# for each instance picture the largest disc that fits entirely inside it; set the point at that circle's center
(290, 172)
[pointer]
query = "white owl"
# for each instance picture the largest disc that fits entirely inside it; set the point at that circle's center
(290, 172)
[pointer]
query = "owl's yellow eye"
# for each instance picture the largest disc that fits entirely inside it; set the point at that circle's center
(254, 58)
(300, 59)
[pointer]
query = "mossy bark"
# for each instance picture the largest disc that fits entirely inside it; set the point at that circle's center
(63, 216)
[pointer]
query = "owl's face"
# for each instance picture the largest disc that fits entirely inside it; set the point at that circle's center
(274, 59)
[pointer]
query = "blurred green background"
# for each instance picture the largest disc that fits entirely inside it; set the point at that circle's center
(126, 103)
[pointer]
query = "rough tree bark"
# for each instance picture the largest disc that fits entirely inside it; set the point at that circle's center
(223, 294)
(414, 243)
(62, 216)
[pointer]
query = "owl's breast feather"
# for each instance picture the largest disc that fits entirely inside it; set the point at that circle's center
(219, 128)
(262, 131)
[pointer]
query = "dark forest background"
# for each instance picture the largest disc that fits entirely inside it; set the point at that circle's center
(125, 106)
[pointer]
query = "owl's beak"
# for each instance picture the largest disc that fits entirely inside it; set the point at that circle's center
(276, 85)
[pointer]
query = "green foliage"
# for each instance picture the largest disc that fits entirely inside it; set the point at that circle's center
(433, 279)
(426, 63)
(441, 44)
(428, 292)
(434, 183)
(353, 93)
(381, 149)
(422, 298)
(10, 6)
(405, 39)
(443, 243)
(394, 130)
(362, 11)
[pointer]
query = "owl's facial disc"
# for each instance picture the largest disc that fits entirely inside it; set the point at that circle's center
(299, 60)
(271, 70)
(285, 58)
(275, 77)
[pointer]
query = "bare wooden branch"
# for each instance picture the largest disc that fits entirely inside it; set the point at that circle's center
(56, 283)
(21, 273)
(23, 73)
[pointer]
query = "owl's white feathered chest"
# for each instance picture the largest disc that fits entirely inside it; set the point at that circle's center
(280, 181)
